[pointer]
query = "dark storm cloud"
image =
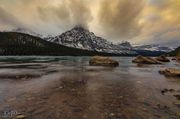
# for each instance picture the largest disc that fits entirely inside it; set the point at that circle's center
(119, 18)
(137, 21)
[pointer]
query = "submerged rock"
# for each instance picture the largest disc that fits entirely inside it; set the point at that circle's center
(177, 58)
(163, 58)
(177, 103)
(167, 90)
(177, 96)
(145, 60)
(103, 61)
(164, 91)
(174, 58)
(171, 72)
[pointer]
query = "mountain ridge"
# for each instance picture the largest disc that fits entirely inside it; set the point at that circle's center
(107, 44)
(82, 39)
(79, 37)
(12, 43)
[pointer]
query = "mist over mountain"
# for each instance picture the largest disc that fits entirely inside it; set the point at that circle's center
(27, 31)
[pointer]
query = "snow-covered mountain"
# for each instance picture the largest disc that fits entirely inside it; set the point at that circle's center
(154, 47)
(81, 38)
(30, 32)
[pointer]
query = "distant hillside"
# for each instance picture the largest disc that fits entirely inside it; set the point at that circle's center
(13, 43)
(176, 52)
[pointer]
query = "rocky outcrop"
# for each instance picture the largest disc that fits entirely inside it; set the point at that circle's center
(163, 58)
(170, 72)
(103, 61)
(145, 60)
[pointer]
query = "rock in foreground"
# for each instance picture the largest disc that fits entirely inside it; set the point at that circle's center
(145, 60)
(170, 72)
(174, 58)
(19, 117)
(103, 61)
(163, 58)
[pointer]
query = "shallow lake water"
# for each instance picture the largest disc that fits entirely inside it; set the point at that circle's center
(68, 88)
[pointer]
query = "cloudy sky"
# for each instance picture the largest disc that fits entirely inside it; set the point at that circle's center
(137, 21)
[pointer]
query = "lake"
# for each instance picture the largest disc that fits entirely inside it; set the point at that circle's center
(68, 88)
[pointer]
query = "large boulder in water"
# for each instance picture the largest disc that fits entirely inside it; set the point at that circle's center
(145, 60)
(103, 61)
(174, 58)
(170, 72)
(163, 58)
(177, 59)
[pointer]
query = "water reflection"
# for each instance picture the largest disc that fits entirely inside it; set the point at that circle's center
(67, 87)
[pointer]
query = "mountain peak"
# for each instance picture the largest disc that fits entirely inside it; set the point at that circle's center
(81, 38)
(125, 44)
(80, 28)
